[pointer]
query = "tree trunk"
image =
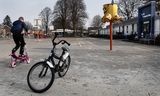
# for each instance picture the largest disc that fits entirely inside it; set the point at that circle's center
(63, 31)
(74, 30)
(98, 32)
(46, 29)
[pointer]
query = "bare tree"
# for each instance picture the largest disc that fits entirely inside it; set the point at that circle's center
(97, 22)
(129, 8)
(7, 21)
(77, 13)
(46, 15)
(57, 23)
(61, 13)
(29, 25)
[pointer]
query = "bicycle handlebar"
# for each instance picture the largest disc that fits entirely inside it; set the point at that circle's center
(62, 41)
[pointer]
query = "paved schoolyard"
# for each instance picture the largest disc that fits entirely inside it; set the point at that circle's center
(131, 69)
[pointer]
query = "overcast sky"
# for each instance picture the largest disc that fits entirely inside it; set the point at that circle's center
(30, 9)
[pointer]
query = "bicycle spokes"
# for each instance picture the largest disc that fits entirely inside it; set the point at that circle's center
(43, 72)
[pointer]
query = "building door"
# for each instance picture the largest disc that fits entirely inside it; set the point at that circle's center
(122, 29)
(146, 29)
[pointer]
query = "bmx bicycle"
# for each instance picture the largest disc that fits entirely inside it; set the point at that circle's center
(23, 58)
(42, 74)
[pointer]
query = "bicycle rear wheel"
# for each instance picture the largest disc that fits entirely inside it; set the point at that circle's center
(65, 66)
(40, 77)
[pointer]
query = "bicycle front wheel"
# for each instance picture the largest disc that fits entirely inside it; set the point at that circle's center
(40, 77)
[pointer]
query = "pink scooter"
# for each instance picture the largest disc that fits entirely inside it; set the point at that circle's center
(15, 58)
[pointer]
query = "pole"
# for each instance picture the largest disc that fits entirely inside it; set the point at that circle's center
(111, 37)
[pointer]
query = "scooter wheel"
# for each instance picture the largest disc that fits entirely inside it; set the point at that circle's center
(28, 60)
(13, 64)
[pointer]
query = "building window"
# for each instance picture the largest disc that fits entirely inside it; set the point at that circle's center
(158, 5)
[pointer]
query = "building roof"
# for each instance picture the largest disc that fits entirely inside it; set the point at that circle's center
(126, 22)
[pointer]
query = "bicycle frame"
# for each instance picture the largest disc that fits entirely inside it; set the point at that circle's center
(50, 65)
(54, 56)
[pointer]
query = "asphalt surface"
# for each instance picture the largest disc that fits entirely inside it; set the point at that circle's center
(130, 69)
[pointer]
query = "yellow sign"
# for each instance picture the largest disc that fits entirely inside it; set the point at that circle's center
(110, 13)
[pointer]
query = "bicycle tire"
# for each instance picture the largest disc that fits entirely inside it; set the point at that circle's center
(68, 61)
(40, 73)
